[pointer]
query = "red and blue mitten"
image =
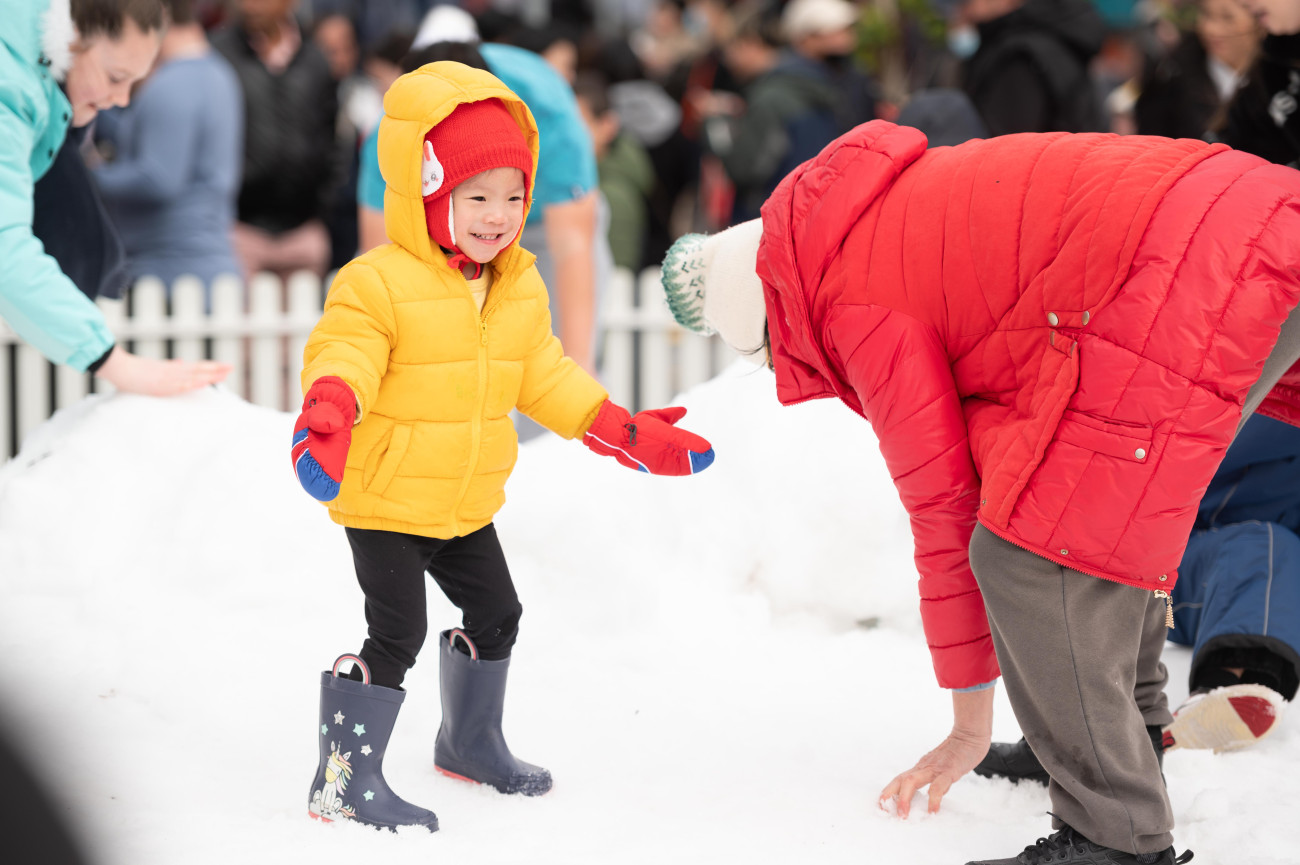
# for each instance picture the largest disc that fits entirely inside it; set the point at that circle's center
(322, 436)
(648, 441)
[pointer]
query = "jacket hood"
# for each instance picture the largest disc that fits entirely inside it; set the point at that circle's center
(1075, 22)
(413, 105)
(36, 30)
(805, 222)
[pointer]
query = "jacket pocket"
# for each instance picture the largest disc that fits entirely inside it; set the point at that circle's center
(1020, 445)
(1117, 439)
(383, 463)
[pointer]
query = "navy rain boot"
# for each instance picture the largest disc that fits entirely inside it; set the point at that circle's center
(470, 744)
(356, 720)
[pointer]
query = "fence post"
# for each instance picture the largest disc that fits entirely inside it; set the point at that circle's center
(266, 354)
(618, 355)
(227, 322)
(694, 359)
(187, 318)
(70, 386)
(149, 316)
(32, 382)
(304, 312)
(657, 342)
(114, 312)
(7, 395)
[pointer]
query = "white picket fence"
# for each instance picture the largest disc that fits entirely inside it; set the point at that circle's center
(261, 332)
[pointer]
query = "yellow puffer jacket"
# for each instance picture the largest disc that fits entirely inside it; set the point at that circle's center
(435, 380)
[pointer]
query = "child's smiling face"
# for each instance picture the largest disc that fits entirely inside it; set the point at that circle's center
(488, 210)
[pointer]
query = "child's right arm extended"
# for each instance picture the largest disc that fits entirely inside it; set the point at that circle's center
(322, 436)
(344, 361)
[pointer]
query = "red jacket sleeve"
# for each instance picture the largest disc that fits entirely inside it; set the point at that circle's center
(900, 373)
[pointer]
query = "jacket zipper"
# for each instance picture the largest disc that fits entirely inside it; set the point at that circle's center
(1169, 608)
(476, 423)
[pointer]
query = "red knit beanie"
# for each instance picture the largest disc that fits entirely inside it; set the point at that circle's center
(475, 137)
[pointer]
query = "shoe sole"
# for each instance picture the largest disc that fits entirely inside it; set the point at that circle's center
(451, 774)
(1031, 778)
(523, 790)
(1225, 719)
(432, 827)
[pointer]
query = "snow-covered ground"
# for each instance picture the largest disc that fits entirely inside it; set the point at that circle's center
(726, 668)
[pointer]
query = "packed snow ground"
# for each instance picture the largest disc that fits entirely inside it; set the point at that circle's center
(719, 669)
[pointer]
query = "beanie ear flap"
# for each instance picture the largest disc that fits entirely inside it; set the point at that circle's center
(451, 222)
(431, 171)
(438, 220)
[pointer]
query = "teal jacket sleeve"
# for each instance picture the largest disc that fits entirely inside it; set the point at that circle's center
(37, 300)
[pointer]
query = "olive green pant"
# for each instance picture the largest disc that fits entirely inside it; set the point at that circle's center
(1080, 659)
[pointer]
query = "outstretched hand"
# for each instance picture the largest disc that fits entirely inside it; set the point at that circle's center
(648, 441)
(940, 769)
(131, 373)
(956, 755)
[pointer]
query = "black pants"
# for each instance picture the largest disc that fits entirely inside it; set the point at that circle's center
(472, 573)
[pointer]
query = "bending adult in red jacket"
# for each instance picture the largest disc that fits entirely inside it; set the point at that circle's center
(1054, 338)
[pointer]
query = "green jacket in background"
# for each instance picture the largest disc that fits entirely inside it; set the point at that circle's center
(626, 180)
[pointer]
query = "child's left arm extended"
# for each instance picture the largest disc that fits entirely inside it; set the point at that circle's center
(648, 441)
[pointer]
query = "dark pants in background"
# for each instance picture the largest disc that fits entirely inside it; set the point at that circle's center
(470, 570)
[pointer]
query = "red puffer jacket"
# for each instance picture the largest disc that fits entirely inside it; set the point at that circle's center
(1051, 333)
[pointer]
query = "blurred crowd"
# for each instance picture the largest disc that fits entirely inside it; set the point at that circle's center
(690, 111)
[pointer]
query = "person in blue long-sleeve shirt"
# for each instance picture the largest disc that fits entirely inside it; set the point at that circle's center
(172, 183)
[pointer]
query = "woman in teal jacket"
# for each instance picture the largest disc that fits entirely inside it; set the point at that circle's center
(61, 61)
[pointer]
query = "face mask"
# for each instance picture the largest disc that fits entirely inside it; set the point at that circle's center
(694, 22)
(838, 62)
(963, 41)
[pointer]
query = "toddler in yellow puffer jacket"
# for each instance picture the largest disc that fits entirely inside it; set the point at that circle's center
(425, 347)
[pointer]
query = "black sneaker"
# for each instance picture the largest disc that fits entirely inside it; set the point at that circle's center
(1068, 846)
(1016, 762)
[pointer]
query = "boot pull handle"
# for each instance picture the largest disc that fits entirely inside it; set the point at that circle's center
(356, 662)
(469, 644)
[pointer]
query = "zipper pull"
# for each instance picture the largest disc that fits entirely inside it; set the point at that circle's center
(1169, 608)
